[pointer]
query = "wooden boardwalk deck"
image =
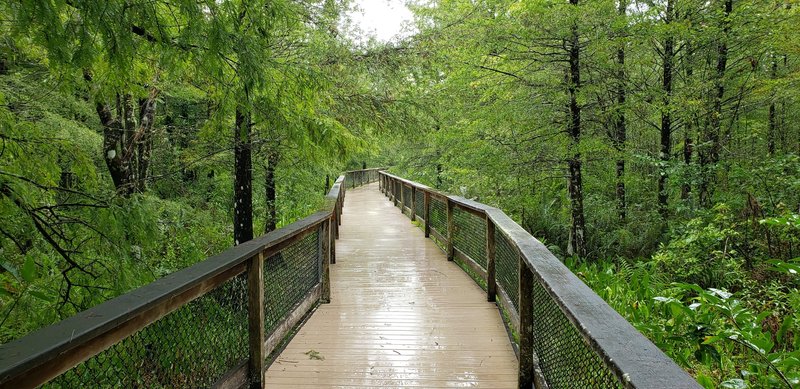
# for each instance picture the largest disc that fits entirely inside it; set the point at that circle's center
(401, 315)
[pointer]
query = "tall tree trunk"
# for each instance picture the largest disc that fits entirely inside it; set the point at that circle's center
(271, 217)
(666, 115)
(143, 140)
(709, 157)
(620, 130)
(578, 228)
(127, 144)
(242, 178)
(772, 129)
(691, 125)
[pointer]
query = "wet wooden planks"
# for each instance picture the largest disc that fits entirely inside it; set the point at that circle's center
(400, 315)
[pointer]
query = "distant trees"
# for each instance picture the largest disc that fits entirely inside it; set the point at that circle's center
(651, 107)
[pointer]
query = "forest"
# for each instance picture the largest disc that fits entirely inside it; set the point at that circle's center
(652, 145)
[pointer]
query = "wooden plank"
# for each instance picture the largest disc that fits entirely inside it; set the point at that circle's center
(328, 239)
(470, 263)
(288, 323)
(255, 320)
(413, 203)
(632, 357)
(505, 303)
(491, 280)
(427, 212)
(439, 236)
(451, 228)
(234, 379)
(526, 366)
(85, 349)
(465, 205)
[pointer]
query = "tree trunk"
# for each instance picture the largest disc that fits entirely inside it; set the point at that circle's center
(666, 116)
(578, 227)
(709, 157)
(127, 145)
(271, 216)
(242, 178)
(620, 130)
(691, 125)
(772, 129)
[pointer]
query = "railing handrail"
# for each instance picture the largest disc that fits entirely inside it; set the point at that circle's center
(49, 351)
(365, 170)
(634, 359)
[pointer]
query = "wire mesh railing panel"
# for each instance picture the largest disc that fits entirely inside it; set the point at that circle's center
(407, 198)
(397, 193)
(469, 235)
(191, 347)
(419, 208)
(506, 262)
(565, 359)
(438, 215)
(288, 277)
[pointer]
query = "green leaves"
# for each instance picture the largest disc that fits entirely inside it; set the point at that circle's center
(28, 272)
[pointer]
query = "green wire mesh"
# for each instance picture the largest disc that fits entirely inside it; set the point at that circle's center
(288, 277)
(191, 347)
(469, 235)
(565, 359)
(420, 204)
(407, 199)
(506, 263)
(438, 215)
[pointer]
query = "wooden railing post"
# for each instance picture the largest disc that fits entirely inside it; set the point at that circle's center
(394, 192)
(332, 244)
(426, 213)
(526, 365)
(451, 224)
(326, 237)
(413, 203)
(491, 281)
(403, 198)
(255, 315)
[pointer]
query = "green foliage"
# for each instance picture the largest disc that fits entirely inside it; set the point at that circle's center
(702, 251)
(723, 340)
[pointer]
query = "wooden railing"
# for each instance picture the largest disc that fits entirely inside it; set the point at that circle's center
(568, 336)
(212, 324)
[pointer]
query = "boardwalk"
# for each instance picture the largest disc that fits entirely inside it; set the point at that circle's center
(400, 316)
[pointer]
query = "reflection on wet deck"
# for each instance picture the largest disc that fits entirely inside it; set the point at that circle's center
(400, 315)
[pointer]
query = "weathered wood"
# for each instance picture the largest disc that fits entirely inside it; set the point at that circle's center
(326, 237)
(236, 378)
(48, 352)
(287, 324)
(470, 263)
(413, 203)
(613, 337)
(395, 184)
(402, 316)
(491, 280)
(255, 320)
(505, 303)
(427, 214)
(451, 228)
(440, 237)
(403, 199)
(526, 366)
(94, 338)
(465, 206)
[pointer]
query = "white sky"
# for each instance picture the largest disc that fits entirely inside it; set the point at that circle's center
(383, 19)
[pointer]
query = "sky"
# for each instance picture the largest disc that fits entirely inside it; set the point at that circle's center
(383, 19)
